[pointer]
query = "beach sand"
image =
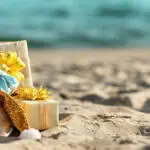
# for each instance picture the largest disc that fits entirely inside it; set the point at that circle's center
(104, 100)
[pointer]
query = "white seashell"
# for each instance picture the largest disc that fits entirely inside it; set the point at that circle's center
(30, 134)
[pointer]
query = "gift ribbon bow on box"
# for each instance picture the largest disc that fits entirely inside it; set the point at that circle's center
(7, 83)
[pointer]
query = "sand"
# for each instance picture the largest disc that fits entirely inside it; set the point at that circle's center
(104, 100)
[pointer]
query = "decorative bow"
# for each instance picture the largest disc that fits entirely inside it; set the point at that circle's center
(12, 65)
(7, 83)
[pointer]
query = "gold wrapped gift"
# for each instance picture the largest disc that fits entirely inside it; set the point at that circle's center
(41, 110)
(41, 114)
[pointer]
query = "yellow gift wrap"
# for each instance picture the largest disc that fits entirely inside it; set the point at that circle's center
(41, 114)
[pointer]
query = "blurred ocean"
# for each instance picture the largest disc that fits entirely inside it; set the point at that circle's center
(76, 23)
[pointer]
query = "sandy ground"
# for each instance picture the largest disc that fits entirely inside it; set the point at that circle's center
(104, 100)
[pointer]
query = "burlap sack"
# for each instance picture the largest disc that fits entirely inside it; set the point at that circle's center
(22, 50)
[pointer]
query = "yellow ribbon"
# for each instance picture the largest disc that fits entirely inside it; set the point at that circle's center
(12, 64)
(28, 93)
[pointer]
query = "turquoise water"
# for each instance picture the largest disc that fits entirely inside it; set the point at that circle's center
(76, 23)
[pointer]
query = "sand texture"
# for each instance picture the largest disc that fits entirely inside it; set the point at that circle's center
(104, 100)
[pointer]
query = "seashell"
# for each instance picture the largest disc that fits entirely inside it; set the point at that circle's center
(5, 123)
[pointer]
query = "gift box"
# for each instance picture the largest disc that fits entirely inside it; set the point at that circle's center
(9, 83)
(41, 110)
(21, 48)
(41, 115)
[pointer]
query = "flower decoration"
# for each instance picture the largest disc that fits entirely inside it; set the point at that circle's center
(28, 93)
(12, 64)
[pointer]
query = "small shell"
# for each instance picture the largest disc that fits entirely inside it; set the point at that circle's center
(5, 123)
(30, 134)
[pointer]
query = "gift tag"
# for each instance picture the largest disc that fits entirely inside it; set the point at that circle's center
(5, 123)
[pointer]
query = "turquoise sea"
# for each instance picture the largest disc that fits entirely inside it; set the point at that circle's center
(76, 23)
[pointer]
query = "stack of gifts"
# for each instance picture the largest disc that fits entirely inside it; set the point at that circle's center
(22, 106)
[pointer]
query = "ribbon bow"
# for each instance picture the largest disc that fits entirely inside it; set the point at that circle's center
(7, 83)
